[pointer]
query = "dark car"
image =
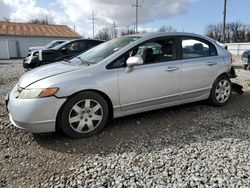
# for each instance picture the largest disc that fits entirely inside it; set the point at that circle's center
(63, 51)
(245, 57)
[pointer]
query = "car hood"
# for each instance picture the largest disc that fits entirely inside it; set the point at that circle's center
(45, 71)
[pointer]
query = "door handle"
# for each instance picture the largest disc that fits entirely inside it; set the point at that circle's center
(211, 63)
(171, 69)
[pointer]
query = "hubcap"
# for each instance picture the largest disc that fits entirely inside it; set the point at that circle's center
(222, 91)
(85, 116)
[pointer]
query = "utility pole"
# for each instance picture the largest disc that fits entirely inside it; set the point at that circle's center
(46, 19)
(224, 21)
(93, 19)
(114, 29)
(136, 5)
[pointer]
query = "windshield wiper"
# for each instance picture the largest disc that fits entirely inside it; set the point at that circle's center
(66, 60)
(82, 60)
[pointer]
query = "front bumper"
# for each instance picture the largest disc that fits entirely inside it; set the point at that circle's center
(29, 63)
(34, 115)
(245, 61)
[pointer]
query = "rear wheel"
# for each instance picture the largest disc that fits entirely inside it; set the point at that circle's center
(221, 91)
(84, 115)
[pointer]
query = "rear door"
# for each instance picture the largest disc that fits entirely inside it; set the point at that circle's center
(199, 64)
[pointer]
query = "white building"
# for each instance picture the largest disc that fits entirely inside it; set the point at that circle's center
(16, 38)
(238, 48)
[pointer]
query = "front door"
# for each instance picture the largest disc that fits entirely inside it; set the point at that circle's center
(155, 82)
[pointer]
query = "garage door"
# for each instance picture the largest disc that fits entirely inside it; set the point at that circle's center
(3, 50)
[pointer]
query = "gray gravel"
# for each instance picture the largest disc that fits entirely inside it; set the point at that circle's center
(192, 145)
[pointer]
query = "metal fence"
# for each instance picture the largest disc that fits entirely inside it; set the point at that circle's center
(238, 48)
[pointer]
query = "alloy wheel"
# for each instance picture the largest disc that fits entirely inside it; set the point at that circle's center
(223, 91)
(85, 116)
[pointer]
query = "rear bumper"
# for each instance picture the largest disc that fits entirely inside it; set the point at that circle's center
(34, 115)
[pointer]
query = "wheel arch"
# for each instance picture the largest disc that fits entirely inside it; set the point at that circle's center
(104, 95)
(222, 74)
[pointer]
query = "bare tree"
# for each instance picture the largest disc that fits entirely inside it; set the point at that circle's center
(104, 34)
(166, 29)
(235, 32)
(38, 21)
(6, 19)
(127, 31)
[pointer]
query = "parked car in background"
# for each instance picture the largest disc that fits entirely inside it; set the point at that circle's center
(52, 44)
(126, 75)
(245, 57)
(60, 52)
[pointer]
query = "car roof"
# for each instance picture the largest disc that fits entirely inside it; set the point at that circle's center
(82, 39)
(164, 34)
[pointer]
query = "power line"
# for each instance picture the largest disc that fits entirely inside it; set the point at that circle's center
(233, 9)
(93, 19)
(137, 6)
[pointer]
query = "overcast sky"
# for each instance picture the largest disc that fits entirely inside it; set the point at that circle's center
(183, 15)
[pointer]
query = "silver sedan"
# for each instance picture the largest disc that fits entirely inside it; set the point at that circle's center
(123, 76)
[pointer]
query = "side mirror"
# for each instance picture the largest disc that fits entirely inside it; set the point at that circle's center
(64, 50)
(133, 61)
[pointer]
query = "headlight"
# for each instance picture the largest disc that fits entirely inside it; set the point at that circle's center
(37, 93)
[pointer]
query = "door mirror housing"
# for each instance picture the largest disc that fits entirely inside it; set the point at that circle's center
(133, 61)
(64, 50)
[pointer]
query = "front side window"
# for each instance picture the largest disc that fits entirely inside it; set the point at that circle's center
(194, 48)
(160, 50)
(74, 46)
(156, 51)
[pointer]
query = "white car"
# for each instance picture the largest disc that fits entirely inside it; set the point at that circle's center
(124, 76)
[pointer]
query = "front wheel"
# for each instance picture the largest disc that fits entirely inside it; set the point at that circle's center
(84, 115)
(221, 91)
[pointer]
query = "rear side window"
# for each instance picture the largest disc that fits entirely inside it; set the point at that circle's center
(91, 44)
(195, 48)
(81, 45)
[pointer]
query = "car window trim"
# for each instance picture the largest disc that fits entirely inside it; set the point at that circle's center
(150, 40)
(199, 39)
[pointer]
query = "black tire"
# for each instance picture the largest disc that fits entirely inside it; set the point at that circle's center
(213, 95)
(67, 110)
(245, 67)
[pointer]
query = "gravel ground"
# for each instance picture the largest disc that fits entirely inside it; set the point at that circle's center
(192, 145)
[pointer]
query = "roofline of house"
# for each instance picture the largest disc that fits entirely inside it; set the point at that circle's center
(41, 36)
(33, 23)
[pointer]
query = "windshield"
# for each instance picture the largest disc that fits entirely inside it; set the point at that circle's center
(104, 50)
(60, 45)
